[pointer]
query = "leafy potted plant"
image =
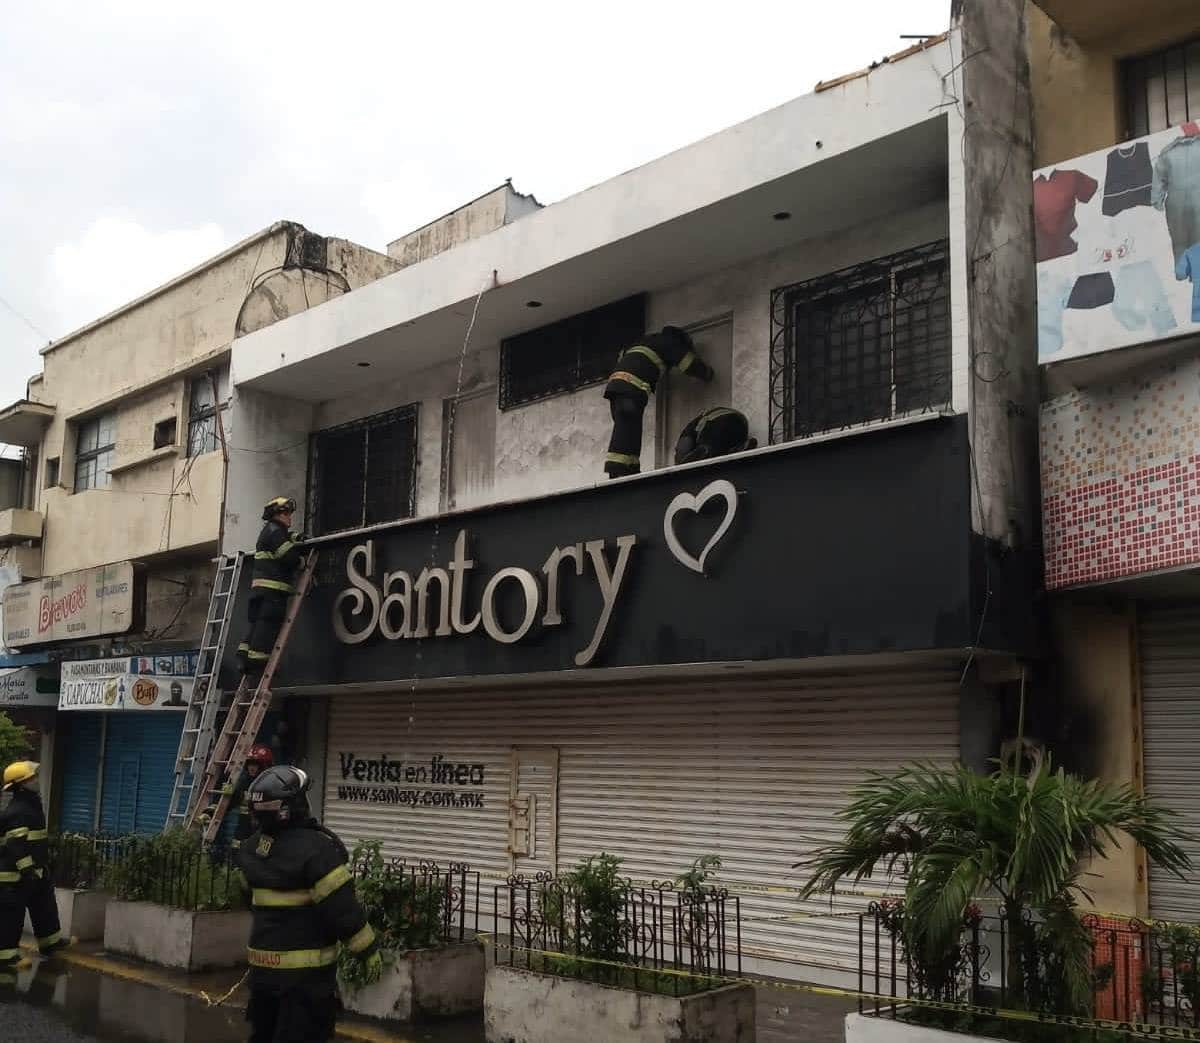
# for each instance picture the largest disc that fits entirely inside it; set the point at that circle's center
(431, 968)
(957, 834)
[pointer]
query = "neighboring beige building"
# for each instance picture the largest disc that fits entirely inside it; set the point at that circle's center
(126, 434)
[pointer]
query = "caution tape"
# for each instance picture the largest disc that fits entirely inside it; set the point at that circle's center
(1147, 1030)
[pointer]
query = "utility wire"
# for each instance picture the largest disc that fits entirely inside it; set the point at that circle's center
(25, 319)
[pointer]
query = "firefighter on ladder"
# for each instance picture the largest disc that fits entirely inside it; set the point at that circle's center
(631, 384)
(25, 880)
(276, 558)
(302, 892)
(258, 760)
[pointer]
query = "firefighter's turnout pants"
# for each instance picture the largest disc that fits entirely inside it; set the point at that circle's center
(266, 613)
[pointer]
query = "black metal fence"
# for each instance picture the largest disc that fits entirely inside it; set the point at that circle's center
(1137, 971)
(660, 939)
(419, 905)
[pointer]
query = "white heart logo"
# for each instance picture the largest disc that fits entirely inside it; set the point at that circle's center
(687, 502)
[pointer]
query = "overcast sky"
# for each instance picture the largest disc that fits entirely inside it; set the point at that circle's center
(138, 138)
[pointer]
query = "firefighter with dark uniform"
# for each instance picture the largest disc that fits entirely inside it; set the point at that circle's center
(302, 894)
(25, 880)
(631, 384)
(715, 432)
(258, 760)
(276, 558)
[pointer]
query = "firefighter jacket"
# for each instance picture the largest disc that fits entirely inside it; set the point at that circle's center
(641, 366)
(302, 894)
(276, 556)
(23, 843)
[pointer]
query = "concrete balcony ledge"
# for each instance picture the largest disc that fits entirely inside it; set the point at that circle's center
(19, 526)
(23, 422)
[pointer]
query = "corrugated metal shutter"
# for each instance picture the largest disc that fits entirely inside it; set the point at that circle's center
(81, 759)
(1170, 662)
(752, 772)
(139, 769)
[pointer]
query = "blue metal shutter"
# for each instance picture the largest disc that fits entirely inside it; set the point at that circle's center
(81, 758)
(139, 770)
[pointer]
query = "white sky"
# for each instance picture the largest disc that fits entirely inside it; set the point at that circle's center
(138, 138)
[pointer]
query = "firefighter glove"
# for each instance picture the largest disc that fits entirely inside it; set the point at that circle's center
(373, 965)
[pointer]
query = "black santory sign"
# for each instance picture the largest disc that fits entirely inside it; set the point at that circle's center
(855, 545)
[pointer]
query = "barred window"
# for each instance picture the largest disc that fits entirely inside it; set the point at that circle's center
(569, 354)
(1162, 89)
(363, 473)
(95, 442)
(863, 344)
(203, 436)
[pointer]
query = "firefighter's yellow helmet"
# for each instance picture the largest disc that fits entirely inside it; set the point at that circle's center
(278, 505)
(19, 771)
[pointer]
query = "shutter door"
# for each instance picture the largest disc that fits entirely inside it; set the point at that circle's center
(81, 760)
(1169, 651)
(139, 770)
(660, 777)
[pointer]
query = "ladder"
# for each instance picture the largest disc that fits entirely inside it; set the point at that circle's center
(200, 718)
(243, 720)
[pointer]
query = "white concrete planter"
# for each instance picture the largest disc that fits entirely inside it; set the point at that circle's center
(866, 1028)
(80, 913)
(424, 984)
(175, 937)
(526, 1007)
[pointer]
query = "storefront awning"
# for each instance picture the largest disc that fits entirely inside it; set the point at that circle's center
(24, 686)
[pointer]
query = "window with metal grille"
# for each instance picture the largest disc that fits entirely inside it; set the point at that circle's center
(1162, 89)
(863, 344)
(203, 435)
(569, 354)
(95, 441)
(364, 472)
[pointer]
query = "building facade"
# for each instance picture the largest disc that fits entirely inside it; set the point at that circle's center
(1116, 104)
(126, 433)
(514, 663)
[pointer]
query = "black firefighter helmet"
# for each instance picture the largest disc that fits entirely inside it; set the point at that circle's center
(279, 798)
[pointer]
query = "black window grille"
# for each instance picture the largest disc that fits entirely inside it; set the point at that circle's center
(95, 443)
(863, 344)
(203, 434)
(569, 354)
(364, 472)
(1162, 89)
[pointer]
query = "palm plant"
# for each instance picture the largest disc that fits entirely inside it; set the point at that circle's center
(957, 834)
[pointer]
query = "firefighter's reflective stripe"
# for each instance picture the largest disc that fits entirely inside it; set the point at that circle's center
(623, 458)
(10, 878)
(278, 552)
(361, 939)
(685, 363)
(269, 897)
(292, 959)
(637, 382)
(651, 354)
(9, 954)
(25, 863)
(37, 834)
(272, 584)
(329, 883)
(712, 415)
(49, 940)
(263, 656)
(16, 834)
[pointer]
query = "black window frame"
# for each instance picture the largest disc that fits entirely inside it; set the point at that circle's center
(203, 435)
(824, 377)
(1157, 67)
(588, 345)
(96, 458)
(323, 483)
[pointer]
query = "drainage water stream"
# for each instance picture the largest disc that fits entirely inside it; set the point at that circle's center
(67, 1004)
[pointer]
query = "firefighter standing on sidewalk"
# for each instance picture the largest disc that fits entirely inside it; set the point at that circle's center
(304, 906)
(631, 384)
(25, 881)
(276, 557)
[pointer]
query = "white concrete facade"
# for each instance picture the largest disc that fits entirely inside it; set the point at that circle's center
(869, 167)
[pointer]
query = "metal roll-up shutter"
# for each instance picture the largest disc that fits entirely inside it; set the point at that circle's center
(139, 770)
(81, 761)
(753, 772)
(1169, 652)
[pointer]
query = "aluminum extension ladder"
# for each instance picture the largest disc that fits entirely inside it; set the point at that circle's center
(200, 718)
(242, 722)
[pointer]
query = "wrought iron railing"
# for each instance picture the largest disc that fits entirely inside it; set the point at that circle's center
(661, 939)
(1139, 972)
(421, 904)
(169, 869)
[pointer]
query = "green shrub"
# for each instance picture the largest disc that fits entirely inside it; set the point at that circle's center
(172, 868)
